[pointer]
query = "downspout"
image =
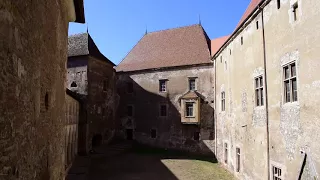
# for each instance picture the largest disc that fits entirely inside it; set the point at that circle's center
(266, 92)
(215, 109)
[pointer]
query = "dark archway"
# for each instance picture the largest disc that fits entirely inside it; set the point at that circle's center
(96, 140)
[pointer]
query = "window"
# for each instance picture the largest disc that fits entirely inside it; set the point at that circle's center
(290, 83)
(220, 59)
(223, 101)
(230, 51)
(130, 110)
(241, 40)
(259, 91)
(276, 173)
(225, 65)
(129, 87)
(105, 85)
(226, 153)
(278, 4)
(163, 110)
(153, 133)
(196, 136)
(238, 159)
(192, 84)
(162, 86)
(295, 11)
(257, 24)
(189, 109)
(74, 84)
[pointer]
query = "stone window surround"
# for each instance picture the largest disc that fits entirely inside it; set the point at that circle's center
(289, 58)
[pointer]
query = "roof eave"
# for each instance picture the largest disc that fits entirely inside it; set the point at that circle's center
(240, 27)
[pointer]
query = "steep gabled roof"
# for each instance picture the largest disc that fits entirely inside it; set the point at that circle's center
(182, 46)
(217, 43)
(82, 44)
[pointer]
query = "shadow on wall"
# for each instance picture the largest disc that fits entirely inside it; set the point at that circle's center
(145, 125)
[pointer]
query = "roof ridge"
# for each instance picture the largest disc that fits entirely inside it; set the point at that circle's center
(180, 27)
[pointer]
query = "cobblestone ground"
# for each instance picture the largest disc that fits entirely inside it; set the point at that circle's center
(121, 163)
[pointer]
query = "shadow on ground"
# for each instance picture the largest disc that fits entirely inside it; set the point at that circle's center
(129, 161)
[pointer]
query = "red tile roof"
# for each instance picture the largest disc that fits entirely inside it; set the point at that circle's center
(217, 43)
(167, 48)
(253, 4)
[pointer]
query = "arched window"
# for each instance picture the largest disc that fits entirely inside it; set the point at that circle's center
(74, 84)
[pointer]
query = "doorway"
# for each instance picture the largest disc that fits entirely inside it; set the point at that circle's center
(129, 134)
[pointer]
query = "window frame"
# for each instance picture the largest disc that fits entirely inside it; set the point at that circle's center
(259, 91)
(288, 81)
(163, 82)
(160, 110)
(223, 101)
(190, 79)
(238, 159)
(276, 175)
(153, 132)
(132, 110)
(226, 153)
(187, 109)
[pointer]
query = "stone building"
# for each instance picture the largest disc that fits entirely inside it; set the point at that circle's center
(73, 109)
(92, 75)
(33, 53)
(166, 93)
(268, 92)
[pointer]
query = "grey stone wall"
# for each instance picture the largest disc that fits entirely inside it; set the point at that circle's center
(33, 41)
(146, 100)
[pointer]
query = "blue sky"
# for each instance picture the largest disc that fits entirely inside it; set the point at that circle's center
(117, 25)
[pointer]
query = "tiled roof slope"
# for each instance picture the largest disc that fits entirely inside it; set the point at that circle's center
(217, 43)
(253, 4)
(168, 48)
(82, 44)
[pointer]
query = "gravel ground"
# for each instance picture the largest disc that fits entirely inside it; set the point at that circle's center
(154, 165)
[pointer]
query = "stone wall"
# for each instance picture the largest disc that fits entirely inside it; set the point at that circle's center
(146, 100)
(100, 101)
(33, 53)
(293, 126)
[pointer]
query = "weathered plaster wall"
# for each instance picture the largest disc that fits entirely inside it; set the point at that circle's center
(242, 124)
(33, 41)
(146, 100)
(100, 102)
(294, 126)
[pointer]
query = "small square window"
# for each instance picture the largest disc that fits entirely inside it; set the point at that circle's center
(257, 24)
(129, 87)
(189, 109)
(163, 110)
(196, 136)
(230, 51)
(130, 110)
(241, 40)
(276, 173)
(153, 133)
(192, 84)
(162, 85)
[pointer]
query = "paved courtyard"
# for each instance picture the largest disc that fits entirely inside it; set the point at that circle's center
(119, 162)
